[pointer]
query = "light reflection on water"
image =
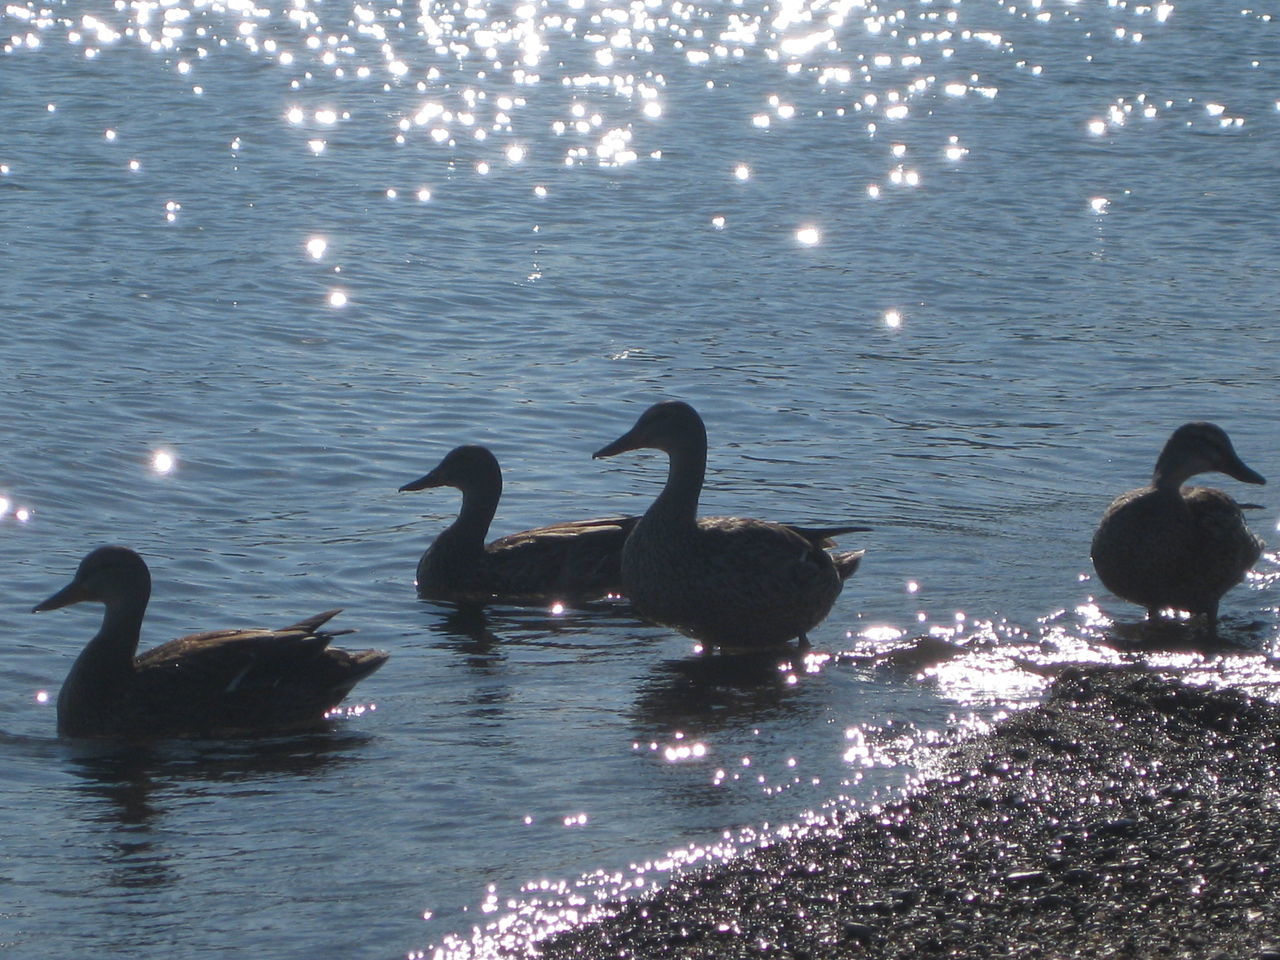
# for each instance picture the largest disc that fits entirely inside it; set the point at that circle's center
(475, 70)
(946, 269)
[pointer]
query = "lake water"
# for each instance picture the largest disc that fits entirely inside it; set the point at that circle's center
(951, 269)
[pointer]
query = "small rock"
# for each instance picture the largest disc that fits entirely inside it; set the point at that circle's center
(1026, 876)
(861, 932)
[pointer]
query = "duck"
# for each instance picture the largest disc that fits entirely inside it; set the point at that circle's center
(217, 684)
(1168, 546)
(575, 560)
(732, 583)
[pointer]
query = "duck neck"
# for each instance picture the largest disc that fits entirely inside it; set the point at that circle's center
(116, 644)
(678, 501)
(104, 670)
(1170, 475)
(479, 504)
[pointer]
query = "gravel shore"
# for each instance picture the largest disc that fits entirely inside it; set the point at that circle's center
(1128, 816)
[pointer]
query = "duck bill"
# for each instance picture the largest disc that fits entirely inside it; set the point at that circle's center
(621, 445)
(422, 483)
(1240, 472)
(73, 592)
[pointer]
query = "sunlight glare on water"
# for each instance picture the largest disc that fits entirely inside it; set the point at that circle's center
(475, 69)
(952, 270)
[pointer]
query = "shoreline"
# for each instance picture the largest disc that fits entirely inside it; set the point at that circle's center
(1128, 815)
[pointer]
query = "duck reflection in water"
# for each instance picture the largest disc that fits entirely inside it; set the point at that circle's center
(714, 691)
(465, 628)
(481, 630)
(132, 789)
(118, 792)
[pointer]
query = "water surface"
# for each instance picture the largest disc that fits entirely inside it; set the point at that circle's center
(953, 270)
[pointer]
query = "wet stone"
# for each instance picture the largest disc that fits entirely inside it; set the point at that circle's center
(1124, 826)
(858, 931)
(1027, 877)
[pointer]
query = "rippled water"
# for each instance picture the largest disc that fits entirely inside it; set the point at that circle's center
(954, 270)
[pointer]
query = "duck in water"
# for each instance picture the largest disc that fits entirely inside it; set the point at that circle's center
(729, 582)
(575, 560)
(215, 684)
(1169, 546)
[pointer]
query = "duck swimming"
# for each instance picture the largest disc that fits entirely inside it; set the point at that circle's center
(215, 684)
(1168, 546)
(729, 582)
(574, 560)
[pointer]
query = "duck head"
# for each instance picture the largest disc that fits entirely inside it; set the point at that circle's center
(109, 575)
(464, 468)
(1199, 447)
(670, 426)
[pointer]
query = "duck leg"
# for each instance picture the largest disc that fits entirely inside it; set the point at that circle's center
(1211, 620)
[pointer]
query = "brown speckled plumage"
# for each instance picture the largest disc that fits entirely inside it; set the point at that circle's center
(214, 684)
(1169, 546)
(725, 581)
(574, 560)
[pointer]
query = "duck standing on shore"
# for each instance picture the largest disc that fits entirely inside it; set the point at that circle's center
(729, 582)
(1168, 546)
(215, 684)
(575, 560)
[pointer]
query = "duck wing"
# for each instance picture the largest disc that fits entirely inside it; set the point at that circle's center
(768, 551)
(576, 558)
(1225, 547)
(223, 681)
(847, 562)
(598, 531)
(824, 536)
